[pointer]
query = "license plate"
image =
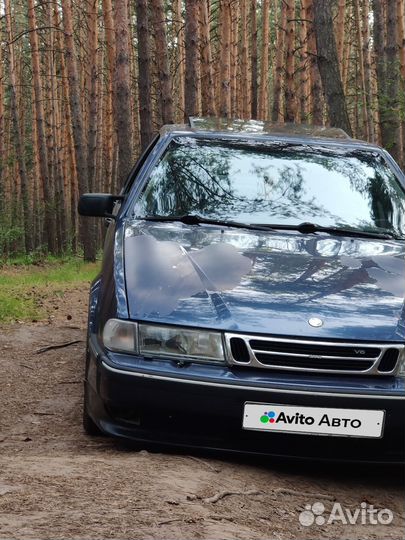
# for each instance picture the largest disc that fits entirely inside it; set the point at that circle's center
(313, 420)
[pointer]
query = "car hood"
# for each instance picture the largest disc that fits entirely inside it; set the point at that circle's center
(265, 282)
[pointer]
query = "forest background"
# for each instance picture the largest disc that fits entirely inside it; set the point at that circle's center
(86, 85)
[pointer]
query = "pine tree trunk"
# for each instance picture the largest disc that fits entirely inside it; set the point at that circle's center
(39, 138)
(122, 91)
(290, 101)
(207, 74)
(328, 64)
(264, 64)
(93, 103)
(162, 61)
(348, 49)
(235, 81)
(304, 90)
(18, 136)
(7, 177)
(55, 123)
(361, 66)
(180, 58)
(340, 29)
(36, 204)
(401, 36)
(379, 55)
(68, 172)
(245, 67)
(401, 45)
(144, 70)
(253, 54)
(110, 113)
(87, 231)
(3, 195)
(277, 115)
(225, 59)
(315, 79)
(367, 66)
(92, 10)
(191, 37)
(133, 75)
(389, 114)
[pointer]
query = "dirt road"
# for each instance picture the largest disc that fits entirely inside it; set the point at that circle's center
(55, 482)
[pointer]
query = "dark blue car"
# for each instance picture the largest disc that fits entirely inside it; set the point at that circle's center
(252, 295)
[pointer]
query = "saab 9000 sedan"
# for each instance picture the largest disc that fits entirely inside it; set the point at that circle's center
(251, 296)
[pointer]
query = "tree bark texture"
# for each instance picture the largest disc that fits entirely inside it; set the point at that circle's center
(328, 64)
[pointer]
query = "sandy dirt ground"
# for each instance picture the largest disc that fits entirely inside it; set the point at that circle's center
(55, 482)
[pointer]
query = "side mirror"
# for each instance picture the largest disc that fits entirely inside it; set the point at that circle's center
(98, 204)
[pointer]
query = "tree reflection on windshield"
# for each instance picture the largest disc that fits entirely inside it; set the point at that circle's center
(259, 183)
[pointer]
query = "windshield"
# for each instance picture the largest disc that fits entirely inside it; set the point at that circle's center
(265, 183)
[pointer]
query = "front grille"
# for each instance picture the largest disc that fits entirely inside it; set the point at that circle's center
(314, 349)
(388, 361)
(313, 356)
(339, 364)
(239, 350)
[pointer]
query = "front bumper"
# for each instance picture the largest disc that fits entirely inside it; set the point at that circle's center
(201, 406)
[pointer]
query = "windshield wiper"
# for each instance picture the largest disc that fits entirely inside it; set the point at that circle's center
(304, 228)
(308, 228)
(194, 219)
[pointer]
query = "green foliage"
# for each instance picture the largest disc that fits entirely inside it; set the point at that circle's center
(8, 235)
(22, 283)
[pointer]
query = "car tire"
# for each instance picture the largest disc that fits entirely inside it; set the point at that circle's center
(89, 426)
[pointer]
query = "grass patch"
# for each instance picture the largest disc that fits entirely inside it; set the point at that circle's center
(21, 285)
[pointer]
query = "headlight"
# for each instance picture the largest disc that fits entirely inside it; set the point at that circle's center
(180, 342)
(120, 336)
(166, 341)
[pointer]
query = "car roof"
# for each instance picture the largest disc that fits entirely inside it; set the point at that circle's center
(255, 129)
